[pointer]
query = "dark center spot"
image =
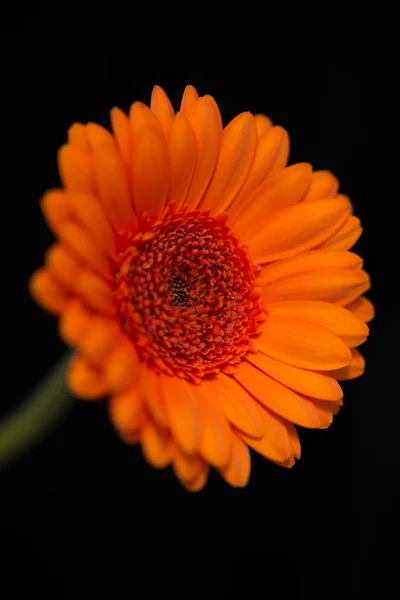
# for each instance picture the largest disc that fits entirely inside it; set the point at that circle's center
(180, 291)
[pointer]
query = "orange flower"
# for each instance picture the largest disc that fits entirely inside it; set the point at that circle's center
(207, 287)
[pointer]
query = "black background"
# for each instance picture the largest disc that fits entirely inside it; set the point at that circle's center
(82, 514)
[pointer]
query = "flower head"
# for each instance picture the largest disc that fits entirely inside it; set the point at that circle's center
(207, 287)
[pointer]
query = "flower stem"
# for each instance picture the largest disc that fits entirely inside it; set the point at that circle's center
(35, 416)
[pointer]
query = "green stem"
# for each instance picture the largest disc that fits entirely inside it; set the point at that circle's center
(35, 416)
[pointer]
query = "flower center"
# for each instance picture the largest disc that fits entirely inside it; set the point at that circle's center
(185, 294)
(180, 291)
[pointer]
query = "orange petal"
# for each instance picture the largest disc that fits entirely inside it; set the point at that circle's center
(362, 308)
(95, 292)
(275, 443)
(183, 154)
(77, 137)
(294, 439)
(86, 209)
(323, 185)
(122, 134)
(324, 415)
(216, 442)
(237, 406)
(183, 414)
(150, 166)
(162, 108)
(287, 464)
(153, 398)
(140, 116)
(305, 382)
(186, 467)
(220, 124)
(266, 152)
(155, 446)
(237, 471)
(111, 178)
(278, 192)
(127, 413)
(75, 238)
(331, 407)
(302, 344)
(60, 208)
(275, 396)
(354, 369)
(56, 208)
(76, 169)
(63, 265)
(84, 381)
(121, 367)
(47, 291)
(282, 157)
(74, 322)
(204, 121)
(346, 201)
(309, 261)
(199, 482)
(345, 237)
(189, 97)
(238, 145)
(100, 339)
(263, 124)
(298, 228)
(340, 286)
(338, 320)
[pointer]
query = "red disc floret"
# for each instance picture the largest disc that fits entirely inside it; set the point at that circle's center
(185, 294)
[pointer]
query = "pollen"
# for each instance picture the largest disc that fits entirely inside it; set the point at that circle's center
(180, 291)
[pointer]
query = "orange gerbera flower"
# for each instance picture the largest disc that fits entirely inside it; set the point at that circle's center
(207, 287)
